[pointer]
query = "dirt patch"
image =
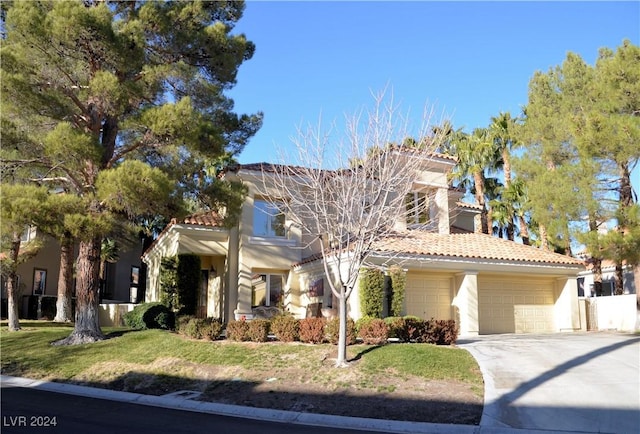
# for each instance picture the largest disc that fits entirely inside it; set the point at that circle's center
(323, 389)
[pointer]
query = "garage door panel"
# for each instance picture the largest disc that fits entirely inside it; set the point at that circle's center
(508, 306)
(428, 296)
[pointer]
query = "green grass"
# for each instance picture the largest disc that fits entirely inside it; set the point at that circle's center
(29, 353)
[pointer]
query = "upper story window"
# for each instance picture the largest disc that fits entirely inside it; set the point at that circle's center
(28, 234)
(268, 220)
(417, 206)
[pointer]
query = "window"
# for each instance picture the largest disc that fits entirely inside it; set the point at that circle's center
(28, 234)
(417, 206)
(267, 289)
(268, 220)
(39, 281)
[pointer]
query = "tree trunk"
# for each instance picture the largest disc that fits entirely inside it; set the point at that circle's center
(524, 231)
(597, 276)
(341, 361)
(544, 242)
(65, 281)
(87, 326)
(618, 280)
(506, 168)
(484, 217)
(12, 287)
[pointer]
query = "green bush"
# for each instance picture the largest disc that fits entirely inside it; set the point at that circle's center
(398, 285)
(362, 321)
(179, 283)
(237, 330)
(312, 330)
(258, 330)
(181, 323)
(374, 332)
(168, 277)
(372, 292)
(189, 275)
(395, 324)
(333, 331)
(150, 316)
(285, 327)
(201, 328)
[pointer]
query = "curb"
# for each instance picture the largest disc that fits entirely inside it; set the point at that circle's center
(282, 416)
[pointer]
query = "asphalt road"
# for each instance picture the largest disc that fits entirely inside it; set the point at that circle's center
(35, 411)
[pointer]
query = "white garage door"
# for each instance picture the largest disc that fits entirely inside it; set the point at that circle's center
(515, 305)
(428, 296)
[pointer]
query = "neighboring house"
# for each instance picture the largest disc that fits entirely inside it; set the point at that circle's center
(488, 285)
(38, 276)
(585, 279)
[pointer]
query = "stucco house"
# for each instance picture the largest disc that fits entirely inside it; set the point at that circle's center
(38, 277)
(488, 285)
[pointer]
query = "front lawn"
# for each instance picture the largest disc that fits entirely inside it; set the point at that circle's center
(160, 362)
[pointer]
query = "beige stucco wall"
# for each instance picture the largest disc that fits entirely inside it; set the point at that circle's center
(567, 310)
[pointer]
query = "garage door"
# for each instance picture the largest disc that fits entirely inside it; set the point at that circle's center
(515, 305)
(428, 296)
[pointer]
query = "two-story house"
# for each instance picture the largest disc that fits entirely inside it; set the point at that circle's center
(488, 285)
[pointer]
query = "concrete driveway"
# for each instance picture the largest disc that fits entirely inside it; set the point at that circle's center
(577, 382)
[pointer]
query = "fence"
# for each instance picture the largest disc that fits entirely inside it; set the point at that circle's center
(616, 312)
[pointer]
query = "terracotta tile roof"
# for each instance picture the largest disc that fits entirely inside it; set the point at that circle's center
(464, 245)
(470, 245)
(468, 205)
(205, 218)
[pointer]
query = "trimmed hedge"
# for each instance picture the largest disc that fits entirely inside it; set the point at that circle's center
(258, 330)
(150, 316)
(199, 328)
(333, 331)
(237, 330)
(374, 332)
(372, 292)
(312, 330)
(285, 327)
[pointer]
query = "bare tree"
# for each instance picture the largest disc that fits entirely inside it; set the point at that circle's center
(349, 193)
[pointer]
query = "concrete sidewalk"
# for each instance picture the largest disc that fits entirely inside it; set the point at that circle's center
(338, 422)
(584, 382)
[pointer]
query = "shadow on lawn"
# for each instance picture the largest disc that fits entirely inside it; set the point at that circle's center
(268, 394)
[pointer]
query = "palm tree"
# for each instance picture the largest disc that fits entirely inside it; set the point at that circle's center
(475, 153)
(504, 131)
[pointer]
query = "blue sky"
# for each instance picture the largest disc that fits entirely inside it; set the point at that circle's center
(471, 59)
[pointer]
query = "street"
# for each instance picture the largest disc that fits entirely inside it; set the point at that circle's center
(34, 411)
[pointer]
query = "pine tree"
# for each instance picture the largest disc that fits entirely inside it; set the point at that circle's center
(124, 103)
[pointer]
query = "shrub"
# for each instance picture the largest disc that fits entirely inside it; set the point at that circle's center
(395, 324)
(181, 323)
(258, 330)
(199, 328)
(372, 292)
(150, 316)
(333, 330)
(179, 282)
(168, 277)
(213, 330)
(440, 332)
(362, 321)
(312, 330)
(412, 330)
(285, 327)
(237, 330)
(188, 282)
(374, 332)
(398, 284)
